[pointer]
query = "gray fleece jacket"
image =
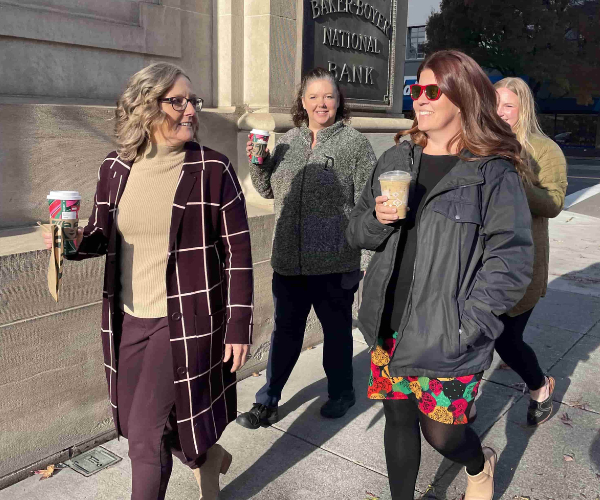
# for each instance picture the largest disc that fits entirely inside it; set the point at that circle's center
(314, 191)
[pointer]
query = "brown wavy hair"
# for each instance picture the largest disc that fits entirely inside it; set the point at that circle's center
(299, 114)
(483, 133)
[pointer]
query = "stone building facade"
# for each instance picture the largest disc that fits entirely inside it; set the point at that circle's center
(63, 64)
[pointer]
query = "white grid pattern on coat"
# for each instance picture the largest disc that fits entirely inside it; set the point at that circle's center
(192, 249)
(112, 369)
(221, 264)
(195, 292)
(185, 344)
(231, 255)
(211, 405)
(227, 237)
(111, 341)
(207, 295)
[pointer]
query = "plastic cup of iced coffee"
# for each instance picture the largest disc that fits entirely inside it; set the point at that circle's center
(395, 185)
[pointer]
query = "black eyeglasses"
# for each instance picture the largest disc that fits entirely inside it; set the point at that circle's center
(180, 103)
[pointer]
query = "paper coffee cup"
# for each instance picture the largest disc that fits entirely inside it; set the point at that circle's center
(395, 185)
(259, 139)
(64, 212)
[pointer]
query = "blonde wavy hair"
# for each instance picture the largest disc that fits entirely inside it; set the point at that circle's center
(138, 109)
(527, 124)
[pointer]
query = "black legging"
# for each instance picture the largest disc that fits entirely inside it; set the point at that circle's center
(517, 354)
(403, 425)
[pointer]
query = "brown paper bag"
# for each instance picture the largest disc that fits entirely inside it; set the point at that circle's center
(55, 266)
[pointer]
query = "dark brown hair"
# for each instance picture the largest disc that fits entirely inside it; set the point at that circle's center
(483, 132)
(299, 114)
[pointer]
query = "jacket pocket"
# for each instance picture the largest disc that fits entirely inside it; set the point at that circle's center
(459, 212)
(467, 218)
(208, 337)
(472, 338)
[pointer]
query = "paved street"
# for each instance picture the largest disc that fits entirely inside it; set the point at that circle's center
(306, 457)
(583, 173)
(583, 192)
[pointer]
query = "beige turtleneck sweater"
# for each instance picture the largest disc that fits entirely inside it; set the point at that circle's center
(143, 222)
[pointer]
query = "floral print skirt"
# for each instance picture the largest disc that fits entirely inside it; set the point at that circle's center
(445, 400)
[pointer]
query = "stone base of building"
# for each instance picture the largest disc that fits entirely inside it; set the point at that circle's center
(53, 394)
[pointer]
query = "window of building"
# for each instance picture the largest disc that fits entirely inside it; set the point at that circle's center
(415, 43)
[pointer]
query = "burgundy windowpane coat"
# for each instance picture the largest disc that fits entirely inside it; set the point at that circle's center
(209, 287)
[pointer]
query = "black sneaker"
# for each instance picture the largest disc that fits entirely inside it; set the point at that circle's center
(538, 412)
(336, 408)
(258, 416)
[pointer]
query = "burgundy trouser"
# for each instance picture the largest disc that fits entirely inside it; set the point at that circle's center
(146, 404)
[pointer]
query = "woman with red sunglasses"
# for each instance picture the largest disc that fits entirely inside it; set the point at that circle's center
(441, 277)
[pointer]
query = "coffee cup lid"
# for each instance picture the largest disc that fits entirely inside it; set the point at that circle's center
(395, 175)
(64, 195)
(255, 131)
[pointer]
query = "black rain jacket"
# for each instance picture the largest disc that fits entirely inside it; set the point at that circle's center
(474, 261)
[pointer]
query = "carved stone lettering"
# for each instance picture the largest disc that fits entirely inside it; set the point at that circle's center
(353, 39)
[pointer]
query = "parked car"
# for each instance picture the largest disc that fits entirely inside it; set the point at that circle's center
(563, 138)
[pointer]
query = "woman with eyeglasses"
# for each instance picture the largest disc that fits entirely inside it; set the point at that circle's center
(441, 277)
(546, 199)
(170, 216)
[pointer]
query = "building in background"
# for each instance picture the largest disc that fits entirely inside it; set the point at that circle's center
(575, 127)
(63, 64)
(418, 13)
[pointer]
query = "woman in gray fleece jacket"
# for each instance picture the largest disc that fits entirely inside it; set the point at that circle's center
(315, 175)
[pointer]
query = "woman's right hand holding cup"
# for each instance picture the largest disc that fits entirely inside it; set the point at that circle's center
(385, 215)
(250, 146)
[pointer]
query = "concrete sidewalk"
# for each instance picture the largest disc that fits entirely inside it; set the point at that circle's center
(306, 457)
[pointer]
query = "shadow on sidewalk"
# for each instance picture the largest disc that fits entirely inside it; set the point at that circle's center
(281, 457)
(518, 434)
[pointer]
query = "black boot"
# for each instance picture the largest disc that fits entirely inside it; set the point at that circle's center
(336, 408)
(259, 415)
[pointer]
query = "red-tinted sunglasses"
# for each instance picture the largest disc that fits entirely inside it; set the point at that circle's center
(432, 91)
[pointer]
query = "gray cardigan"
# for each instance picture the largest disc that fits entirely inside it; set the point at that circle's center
(314, 191)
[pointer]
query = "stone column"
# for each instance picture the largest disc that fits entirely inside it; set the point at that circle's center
(228, 53)
(270, 35)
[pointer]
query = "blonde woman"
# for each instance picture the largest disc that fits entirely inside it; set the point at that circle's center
(546, 198)
(170, 216)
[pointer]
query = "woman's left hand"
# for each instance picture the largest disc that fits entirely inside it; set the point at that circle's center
(240, 355)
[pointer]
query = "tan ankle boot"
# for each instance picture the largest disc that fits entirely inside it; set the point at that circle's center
(217, 462)
(481, 486)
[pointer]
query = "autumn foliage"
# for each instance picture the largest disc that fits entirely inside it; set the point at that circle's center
(556, 43)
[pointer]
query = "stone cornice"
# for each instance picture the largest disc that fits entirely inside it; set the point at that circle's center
(282, 122)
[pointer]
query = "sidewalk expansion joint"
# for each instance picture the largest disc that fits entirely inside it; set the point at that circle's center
(583, 336)
(343, 457)
(581, 407)
(577, 407)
